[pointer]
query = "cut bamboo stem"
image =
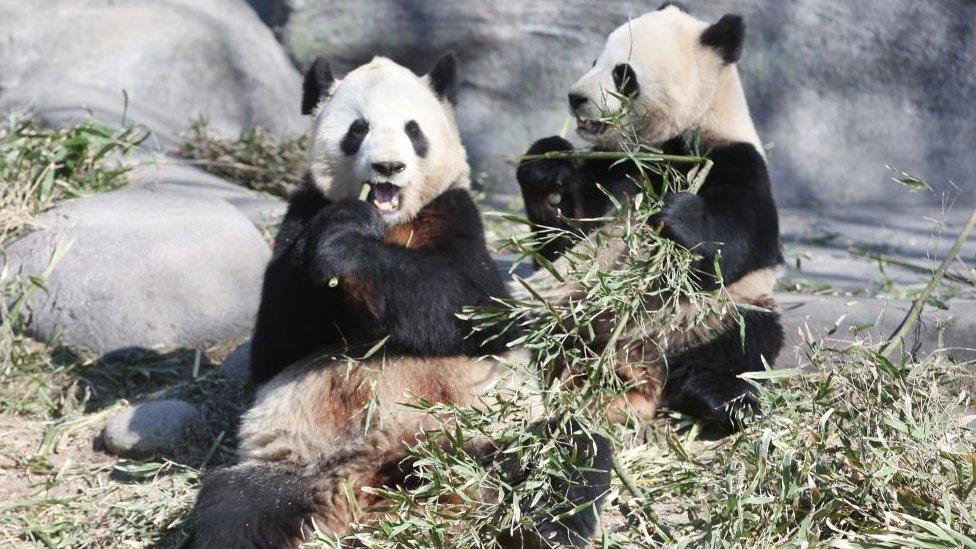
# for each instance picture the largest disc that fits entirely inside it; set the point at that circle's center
(908, 323)
(611, 155)
(913, 265)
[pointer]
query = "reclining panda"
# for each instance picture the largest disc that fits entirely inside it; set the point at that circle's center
(345, 274)
(667, 74)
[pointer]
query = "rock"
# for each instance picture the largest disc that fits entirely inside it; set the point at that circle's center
(838, 88)
(143, 268)
(148, 429)
(168, 174)
(237, 365)
(175, 60)
(845, 319)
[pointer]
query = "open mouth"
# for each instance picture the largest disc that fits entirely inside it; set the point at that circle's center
(591, 127)
(385, 196)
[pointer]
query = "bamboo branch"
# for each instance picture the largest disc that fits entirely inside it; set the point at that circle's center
(610, 155)
(632, 487)
(918, 304)
(913, 265)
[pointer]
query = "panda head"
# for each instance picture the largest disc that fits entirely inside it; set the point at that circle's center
(657, 75)
(384, 126)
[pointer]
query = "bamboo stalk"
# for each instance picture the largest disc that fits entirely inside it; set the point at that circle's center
(913, 265)
(610, 155)
(898, 337)
(632, 487)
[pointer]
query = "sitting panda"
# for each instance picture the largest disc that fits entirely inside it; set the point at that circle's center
(409, 258)
(667, 75)
(346, 273)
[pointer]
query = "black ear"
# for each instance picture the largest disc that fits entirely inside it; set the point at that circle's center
(678, 5)
(444, 77)
(726, 37)
(316, 86)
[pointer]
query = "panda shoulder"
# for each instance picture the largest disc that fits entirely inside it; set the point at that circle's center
(455, 208)
(741, 160)
(457, 204)
(306, 199)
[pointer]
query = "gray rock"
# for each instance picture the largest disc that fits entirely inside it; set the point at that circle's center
(838, 88)
(237, 365)
(170, 175)
(175, 59)
(845, 319)
(148, 429)
(143, 268)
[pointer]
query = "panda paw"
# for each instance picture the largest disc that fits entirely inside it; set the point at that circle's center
(337, 237)
(544, 177)
(543, 182)
(682, 219)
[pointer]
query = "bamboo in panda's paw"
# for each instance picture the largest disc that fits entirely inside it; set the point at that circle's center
(363, 193)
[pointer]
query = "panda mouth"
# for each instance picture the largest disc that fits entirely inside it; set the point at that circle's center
(591, 127)
(385, 196)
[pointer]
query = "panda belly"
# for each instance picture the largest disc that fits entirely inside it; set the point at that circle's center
(319, 407)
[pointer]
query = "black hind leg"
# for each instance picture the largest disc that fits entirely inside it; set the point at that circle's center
(703, 381)
(581, 487)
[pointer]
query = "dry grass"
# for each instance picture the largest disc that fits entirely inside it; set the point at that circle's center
(256, 159)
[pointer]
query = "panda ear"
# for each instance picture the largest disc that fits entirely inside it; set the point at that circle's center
(677, 5)
(726, 37)
(444, 77)
(318, 79)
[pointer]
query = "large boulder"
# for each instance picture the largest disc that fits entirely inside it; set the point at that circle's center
(173, 175)
(838, 88)
(174, 59)
(143, 268)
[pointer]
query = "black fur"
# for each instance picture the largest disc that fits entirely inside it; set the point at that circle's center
(702, 381)
(417, 292)
(318, 78)
(582, 485)
(444, 77)
(576, 100)
(678, 5)
(417, 138)
(726, 36)
(252, 506)
(625, 79)
(354, 137)
(733, 213)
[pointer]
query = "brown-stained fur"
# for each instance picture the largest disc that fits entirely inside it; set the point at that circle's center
(361, 291)
(642, 357)
(311, 419)
(420, 232)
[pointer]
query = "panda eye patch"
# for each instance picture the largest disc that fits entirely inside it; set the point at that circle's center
(417, 138)
(625, 79)
(354, 136)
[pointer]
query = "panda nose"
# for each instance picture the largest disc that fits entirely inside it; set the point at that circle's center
(389, 168)
(576, 100)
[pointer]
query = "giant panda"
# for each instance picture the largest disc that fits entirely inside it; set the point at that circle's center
(665, 76)
(396, 269)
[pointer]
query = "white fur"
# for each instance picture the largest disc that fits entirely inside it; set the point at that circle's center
(683, 84)
(387, 96)
(297, 416)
